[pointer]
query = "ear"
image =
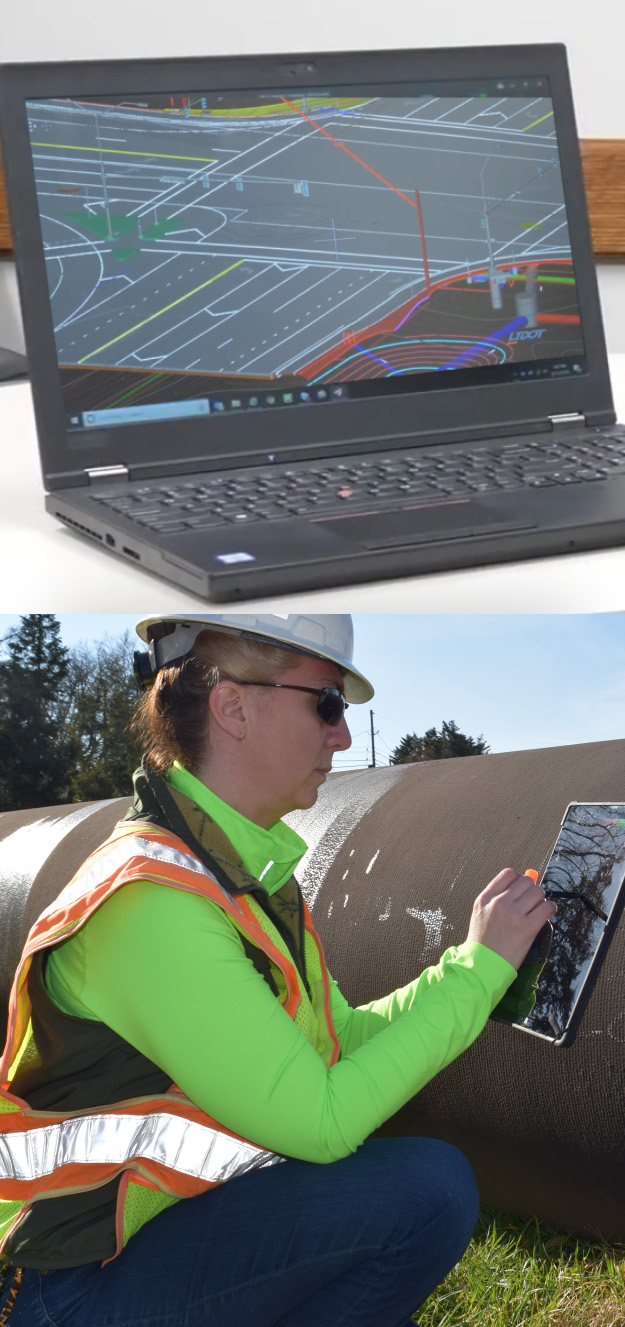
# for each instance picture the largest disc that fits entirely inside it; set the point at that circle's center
(228, 705)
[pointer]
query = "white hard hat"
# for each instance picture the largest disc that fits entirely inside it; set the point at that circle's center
(327, 635)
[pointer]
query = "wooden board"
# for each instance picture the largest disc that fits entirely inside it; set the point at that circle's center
(604, 177)
(604, 172)
(5, 232)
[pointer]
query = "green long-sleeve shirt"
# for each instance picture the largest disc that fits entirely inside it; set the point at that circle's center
(166, 969)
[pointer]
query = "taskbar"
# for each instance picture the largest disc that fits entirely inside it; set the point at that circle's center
(314, 394)
(207, 405)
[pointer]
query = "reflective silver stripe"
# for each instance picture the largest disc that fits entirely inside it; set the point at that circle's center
(183, 1145)
(117, 856)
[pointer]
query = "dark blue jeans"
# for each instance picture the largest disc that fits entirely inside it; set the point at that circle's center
(358, 1243)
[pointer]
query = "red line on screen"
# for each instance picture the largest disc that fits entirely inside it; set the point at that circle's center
(348, 151)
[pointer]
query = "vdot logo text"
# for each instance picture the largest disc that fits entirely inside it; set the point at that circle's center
(533, 335)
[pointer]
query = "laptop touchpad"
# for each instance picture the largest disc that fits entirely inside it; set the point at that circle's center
(420, 524)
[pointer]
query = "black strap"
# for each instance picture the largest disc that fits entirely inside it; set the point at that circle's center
(175, 821)
(261, 962)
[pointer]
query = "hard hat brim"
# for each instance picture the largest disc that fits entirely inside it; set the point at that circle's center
(357, 688)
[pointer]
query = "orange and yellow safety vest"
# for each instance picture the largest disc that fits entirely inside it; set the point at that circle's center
(162, 1148)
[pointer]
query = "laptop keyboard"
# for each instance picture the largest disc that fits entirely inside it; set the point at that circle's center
(384, 480)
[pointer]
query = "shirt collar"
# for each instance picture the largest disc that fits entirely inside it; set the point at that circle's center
(270, 855)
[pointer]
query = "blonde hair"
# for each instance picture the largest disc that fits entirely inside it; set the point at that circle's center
(171, 720)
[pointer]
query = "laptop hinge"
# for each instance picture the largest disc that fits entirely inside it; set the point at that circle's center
(567, 421)
(104, 474)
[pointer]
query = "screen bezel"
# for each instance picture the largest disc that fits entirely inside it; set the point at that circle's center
(375, 422)
(567, 1035)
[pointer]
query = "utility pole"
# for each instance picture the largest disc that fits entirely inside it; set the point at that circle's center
(372, 765)
(107, 206)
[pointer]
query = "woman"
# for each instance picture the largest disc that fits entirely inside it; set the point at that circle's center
(188, 1095)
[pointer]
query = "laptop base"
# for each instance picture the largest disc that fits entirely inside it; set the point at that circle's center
(301, 555)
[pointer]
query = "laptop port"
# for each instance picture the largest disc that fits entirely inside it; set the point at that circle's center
(110, 541)
(131, 553)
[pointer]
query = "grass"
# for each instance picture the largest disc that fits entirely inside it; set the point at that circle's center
(520, 1274)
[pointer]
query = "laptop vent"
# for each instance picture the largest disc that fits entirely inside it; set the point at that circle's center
(84, 529)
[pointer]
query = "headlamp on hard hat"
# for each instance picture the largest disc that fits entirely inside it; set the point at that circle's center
(169, 642)
(142, 669)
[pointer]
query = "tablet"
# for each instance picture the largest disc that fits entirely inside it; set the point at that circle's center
(585, 877)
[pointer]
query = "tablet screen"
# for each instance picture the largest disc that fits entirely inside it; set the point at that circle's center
(583, 877)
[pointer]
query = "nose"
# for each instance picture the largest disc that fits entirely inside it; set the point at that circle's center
(339, 738)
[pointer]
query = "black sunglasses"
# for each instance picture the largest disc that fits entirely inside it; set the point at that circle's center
(331, 703)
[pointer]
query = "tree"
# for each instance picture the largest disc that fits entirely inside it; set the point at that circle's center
(433, 745)
(101, 696)
(64, 717)
(35, 759)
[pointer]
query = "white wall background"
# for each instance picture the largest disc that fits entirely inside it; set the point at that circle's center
(134, 29)
(71, 30)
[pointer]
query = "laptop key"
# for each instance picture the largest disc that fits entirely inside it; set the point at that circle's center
(118, 504)
(379, 482)
(271, 511)
(302, 508)
(167, 527)
(147, 509)
(207, 521)
(152, 518)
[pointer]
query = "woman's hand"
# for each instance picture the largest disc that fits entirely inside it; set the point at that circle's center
(508, 914)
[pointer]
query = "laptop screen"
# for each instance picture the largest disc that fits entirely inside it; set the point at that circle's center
(236, 252)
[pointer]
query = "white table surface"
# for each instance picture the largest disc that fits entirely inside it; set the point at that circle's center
(47, 569)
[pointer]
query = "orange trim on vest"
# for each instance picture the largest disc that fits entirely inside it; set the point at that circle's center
(64, 919)
(74, 1175)
(108, 869)
(310, 928)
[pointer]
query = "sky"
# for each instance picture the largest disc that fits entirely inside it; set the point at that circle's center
(520, 681)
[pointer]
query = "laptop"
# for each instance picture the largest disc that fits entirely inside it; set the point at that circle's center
(302, 321)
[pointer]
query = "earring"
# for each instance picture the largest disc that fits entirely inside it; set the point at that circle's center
(241, 736)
